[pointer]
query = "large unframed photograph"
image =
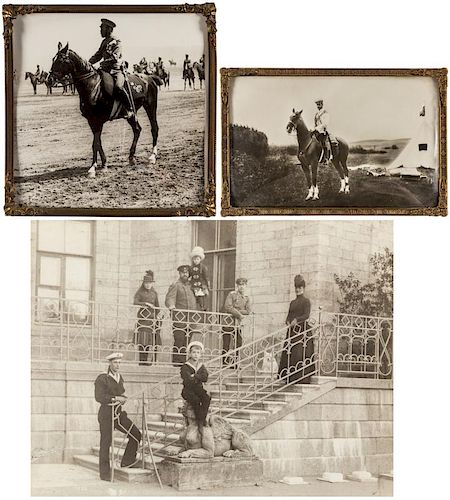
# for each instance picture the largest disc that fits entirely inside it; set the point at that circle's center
(226, 355)
(332, 141)
(110, 109)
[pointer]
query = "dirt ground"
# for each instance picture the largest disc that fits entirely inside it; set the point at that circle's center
(73, 480)
(54, 152)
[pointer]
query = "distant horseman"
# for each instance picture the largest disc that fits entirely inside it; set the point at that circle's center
(111, 52)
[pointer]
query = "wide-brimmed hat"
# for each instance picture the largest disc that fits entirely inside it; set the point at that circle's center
(198, 252)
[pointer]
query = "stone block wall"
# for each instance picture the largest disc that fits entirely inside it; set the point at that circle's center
(349, 428)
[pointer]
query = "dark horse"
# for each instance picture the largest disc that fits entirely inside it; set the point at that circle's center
(98, 106)
(200, 71)
(310, 151)
(188, 74)
(36, 80)
(163, 74)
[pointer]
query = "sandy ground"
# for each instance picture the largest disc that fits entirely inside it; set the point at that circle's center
(73, 480)
(54, 151)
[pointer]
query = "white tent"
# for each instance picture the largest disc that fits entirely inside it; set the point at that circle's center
(421, 150)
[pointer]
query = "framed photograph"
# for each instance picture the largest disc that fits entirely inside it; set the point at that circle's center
(110, 109)
(334, 141)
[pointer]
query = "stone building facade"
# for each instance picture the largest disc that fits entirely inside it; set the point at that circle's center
(105, 260)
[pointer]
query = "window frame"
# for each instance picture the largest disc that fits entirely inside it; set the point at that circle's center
(63, 256)
(216, 253)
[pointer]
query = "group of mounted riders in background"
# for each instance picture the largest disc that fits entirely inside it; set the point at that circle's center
(43, 77)
(158, 68)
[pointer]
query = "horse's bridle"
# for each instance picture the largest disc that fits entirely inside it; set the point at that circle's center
(302, 151)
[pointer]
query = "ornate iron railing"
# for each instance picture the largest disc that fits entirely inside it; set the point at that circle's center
(71, 330)
(332, 345)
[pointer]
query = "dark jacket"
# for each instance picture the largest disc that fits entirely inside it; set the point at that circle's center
(106, 389)
(198, 276)
(299, 309)
(193, 379)
(143, 296)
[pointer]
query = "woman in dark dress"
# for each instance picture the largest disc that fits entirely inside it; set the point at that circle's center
(297, 350)
(147, 333)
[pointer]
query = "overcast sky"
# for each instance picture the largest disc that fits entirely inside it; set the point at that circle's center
(170, 36)
(360, 107)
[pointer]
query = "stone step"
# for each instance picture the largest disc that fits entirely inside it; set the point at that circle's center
(266, 404)
(120, 452)
(249, 388)
(128, 475)
(276, 396)
(179, 419)
(244, 413)
(166, 427)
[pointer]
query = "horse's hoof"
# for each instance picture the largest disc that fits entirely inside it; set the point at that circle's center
(152, 159)
(91, 175)
(131, 161)
(347, 190)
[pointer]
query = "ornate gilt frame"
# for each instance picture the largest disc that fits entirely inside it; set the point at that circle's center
(227, 75)
(208, 10)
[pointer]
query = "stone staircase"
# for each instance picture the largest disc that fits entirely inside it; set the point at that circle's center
(164, 429)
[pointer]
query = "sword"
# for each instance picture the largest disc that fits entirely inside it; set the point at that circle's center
(129, 90)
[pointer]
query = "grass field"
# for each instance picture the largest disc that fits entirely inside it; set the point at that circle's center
(279, 181)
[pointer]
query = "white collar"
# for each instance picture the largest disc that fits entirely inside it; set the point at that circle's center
(116, 378)
(192, 366)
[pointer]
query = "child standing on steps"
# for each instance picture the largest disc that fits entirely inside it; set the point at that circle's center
(198, 276)
(194, 374)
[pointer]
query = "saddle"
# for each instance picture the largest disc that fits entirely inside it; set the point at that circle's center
(328, 146)
(138, 85)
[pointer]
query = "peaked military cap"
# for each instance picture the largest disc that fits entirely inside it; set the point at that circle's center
(183, 268)
(108, 23)
(241, 281)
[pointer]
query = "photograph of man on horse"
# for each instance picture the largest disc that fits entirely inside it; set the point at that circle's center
(110, 55)
(323, 134)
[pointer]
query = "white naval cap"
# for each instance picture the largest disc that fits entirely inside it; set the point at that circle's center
(195, 343)
(114, 355)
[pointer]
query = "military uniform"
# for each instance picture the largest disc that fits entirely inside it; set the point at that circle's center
(107, 387)
(180, 296)
(110, 55)
(321, 124)
(236, 304)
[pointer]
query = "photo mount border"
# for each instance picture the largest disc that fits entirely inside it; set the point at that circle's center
(208, 208)
(438, 74)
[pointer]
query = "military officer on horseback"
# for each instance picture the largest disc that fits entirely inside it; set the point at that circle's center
(110, 51)
(321, 124)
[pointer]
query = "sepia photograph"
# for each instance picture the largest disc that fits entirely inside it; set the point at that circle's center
(334, 141)
(110, 109)
(235, 358)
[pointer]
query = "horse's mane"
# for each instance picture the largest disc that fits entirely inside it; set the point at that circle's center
(83, 64)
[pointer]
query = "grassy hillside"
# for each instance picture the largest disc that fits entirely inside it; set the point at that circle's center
(278, 180)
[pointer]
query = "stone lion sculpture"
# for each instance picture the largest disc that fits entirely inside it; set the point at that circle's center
(218, 438)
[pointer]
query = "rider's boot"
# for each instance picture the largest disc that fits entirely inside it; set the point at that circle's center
(125, 100)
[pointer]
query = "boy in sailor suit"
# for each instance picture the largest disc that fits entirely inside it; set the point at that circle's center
(194, 374)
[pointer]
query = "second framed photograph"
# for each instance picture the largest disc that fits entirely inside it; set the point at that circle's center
(334, 141)
(110, 109)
